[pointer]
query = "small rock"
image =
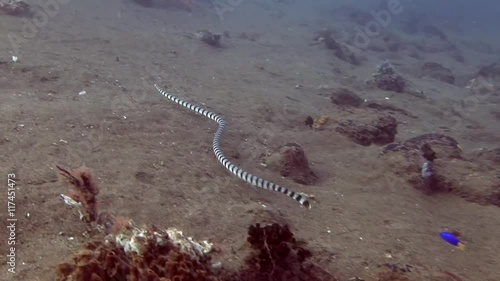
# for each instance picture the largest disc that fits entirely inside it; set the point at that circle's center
(217, 267)
(491, 71)
(488, 80)
(438, 72)
(290, 161)
(345, 97)
(449, 146)
(367, 130)
(209, 38)
(341, 50)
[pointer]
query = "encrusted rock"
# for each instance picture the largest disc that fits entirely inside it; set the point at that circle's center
(290, 161)
(141, 254)
(369, 129)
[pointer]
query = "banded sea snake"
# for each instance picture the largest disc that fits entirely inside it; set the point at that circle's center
(249, 178)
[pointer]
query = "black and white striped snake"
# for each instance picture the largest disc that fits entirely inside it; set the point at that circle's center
(254, 180)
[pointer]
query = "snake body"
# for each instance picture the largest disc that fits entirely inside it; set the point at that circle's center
(249, 178)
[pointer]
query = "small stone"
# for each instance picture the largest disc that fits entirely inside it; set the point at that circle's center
(345, 97)
(369, 129)
(290, 161)
(436, 71)
(217, 267)
(209, 38)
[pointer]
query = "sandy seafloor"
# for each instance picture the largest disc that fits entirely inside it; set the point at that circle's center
(154, 162)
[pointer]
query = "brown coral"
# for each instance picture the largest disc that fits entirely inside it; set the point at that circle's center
(277, 256)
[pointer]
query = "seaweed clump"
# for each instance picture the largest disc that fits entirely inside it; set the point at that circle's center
(277, 256)
(84, 192)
